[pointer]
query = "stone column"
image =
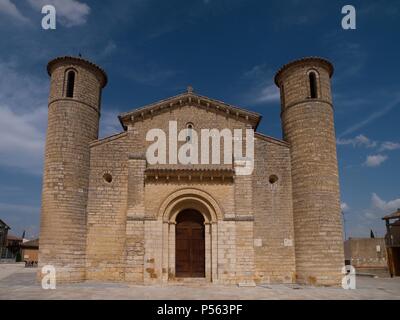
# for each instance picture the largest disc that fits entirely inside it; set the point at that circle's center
(208, 260)
(165, 253)
(214, 251)
(171, 251)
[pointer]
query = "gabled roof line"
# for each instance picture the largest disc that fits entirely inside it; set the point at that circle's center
(187, 98)
(272, 139)
(7, 226)
(107, 139)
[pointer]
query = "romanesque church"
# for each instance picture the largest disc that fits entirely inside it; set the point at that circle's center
(110, 214)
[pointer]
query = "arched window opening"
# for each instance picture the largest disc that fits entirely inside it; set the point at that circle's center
(282, 94)
(313, 85)
(70, 84)
(189, 128)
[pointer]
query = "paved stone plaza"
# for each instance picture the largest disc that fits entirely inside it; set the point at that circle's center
(17, 282)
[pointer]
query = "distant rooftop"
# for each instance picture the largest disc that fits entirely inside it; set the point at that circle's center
(34, 244)
(5, 224)
(13, 237)
(394, 215)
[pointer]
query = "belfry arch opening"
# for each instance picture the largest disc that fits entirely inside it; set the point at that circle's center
(190, 244)
(313, 85)
(70, 84)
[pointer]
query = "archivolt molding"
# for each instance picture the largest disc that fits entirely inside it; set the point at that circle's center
(190, 198)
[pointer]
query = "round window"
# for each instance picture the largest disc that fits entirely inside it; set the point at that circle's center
(273, 179)
(107, 177)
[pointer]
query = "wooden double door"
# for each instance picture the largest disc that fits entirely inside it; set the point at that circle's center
(190, 245)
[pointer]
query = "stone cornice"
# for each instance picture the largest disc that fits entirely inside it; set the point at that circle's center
(190, 99)
(217, 175)
(75, 100)
(101, 74)
(304, 61)
(239, 218)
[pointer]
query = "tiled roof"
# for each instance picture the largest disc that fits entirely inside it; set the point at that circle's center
(302, 60)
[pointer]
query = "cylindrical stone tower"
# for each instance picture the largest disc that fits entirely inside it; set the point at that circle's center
(308, 125)
(73, 122)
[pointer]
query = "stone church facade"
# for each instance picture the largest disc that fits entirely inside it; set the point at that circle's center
(110, 215)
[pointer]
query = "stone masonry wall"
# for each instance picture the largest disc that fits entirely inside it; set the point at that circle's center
(107, 210)
(273, 213)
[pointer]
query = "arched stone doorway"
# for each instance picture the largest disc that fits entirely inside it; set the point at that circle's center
(182, 201)
(190, 244)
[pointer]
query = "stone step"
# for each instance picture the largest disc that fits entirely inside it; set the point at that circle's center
(190, 281)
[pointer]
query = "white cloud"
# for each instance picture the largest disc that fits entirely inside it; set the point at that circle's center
(263, 90)
(269, 93)
(344, 206)
(8, 8)
(23, 119)
(380, 207)
(360, 224)
(385, 206)
(389, 146)
(109, 49)
(358, 141)
(109, 123)
(22, 140)
(21, 91)
(375, 160)
(70, 13)
(260, 71)
(372, 117)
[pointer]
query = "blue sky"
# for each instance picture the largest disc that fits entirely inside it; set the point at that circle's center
(225, 49)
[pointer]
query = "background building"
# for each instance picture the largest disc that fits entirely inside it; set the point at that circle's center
(14, 247)
(392, 239)
(30, 252)
(367, 256)
(3, 238)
